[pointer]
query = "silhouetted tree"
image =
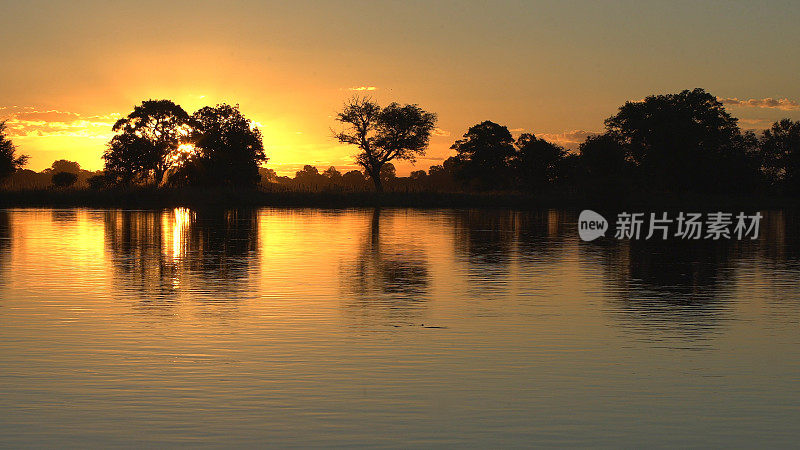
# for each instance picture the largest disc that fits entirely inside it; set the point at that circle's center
(310, 178)
(484, 156)
(129, 159)
(681, 142)
(443, 177)
(354, 179)
(64, 179)
(99, 181)
(308, 171)
(333, 175)
(229, 147)
(419, 179)
(267, 175)
(537, 163)
(9, 162)
(147, 137)
(605, 163)
(388, 174)
(384, 134)
(780, 150)
(62, 165)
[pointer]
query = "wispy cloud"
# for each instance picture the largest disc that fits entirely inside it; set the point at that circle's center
(755, 123)
(362, 88)
(440, 132)
(29, 121)
(568, 139)
(780, 103)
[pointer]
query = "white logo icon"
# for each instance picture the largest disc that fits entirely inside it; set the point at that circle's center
(591, 225)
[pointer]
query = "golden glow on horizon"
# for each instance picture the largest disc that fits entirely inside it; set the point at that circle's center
(66, 88)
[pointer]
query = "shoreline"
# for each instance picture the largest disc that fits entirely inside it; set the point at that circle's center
(151, 198)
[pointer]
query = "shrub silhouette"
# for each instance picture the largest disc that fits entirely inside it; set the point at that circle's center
(64, 179)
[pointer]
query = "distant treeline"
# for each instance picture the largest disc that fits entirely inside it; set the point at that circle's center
(683, 143)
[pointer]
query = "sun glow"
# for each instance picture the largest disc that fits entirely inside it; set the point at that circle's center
(183, 152)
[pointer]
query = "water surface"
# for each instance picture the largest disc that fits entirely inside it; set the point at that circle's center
(303, 327)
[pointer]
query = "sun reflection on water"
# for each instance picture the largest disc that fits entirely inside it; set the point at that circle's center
(182, 221)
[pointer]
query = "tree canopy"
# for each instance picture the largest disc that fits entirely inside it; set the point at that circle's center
(9, 160)
(229, 146)
(147, 136)
(62, 165)
(160, 143)
(483, 156)
(679, 141)
(64, 179)
(537, 162)
(384, 134)
(780, 147)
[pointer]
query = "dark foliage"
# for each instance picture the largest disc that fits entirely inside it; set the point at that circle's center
(538, 164)
(671, 147)
(484, 156)
(229, 147)
(384, 134)
(605, 164)
(9, 161)
(62, 165)
(64, 179)
(684, 142)
(780, 155)
(147, 138)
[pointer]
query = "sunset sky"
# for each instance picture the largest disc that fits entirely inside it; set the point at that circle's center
(557, 69)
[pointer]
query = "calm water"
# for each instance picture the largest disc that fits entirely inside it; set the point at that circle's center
(390, 328)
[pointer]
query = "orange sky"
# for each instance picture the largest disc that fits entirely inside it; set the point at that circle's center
(558, 70)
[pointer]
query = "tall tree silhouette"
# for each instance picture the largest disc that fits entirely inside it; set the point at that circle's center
(484, 156)
(147, 136)
(537, 162)
(384, 134)
(681, 142)
(780, 148)
(9, 161)
(605, 164)
(229, 145)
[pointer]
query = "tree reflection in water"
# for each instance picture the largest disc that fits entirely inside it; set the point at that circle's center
(687, 290)
(485, 241)
(161, 255)
(388, 280)
(5, 244)
(668, 289)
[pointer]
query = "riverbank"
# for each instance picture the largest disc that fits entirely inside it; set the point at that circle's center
(149, 198)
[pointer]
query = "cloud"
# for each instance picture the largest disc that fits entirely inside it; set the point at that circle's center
(440, 132)
(782, 103)
(362, 88)
(755, 124)
(568, 139)
(28, 121)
